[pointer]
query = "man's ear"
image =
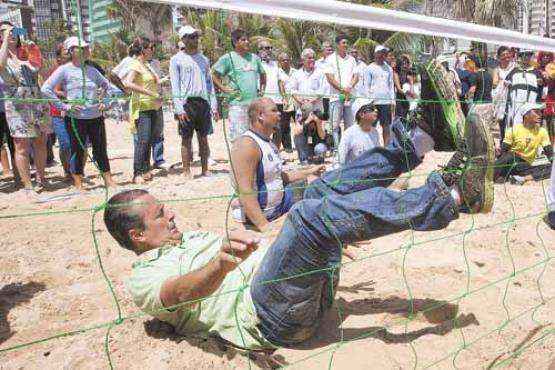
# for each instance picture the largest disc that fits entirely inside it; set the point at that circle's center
(136, 236)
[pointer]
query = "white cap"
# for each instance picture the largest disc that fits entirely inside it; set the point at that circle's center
(527, 107)
(379, 48)
(186, 30)
(74, 41)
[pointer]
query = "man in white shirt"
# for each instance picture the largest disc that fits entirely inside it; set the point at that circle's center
(305, 83)
(325, 88)
(193, 97)
(361, 90)
(381, 89)
(361, 137)
(342, 76)
(283, 135)
(273, 73)
(274, 81)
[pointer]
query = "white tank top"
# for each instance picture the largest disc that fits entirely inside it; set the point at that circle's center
(267, 181)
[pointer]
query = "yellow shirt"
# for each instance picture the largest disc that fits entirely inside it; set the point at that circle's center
(525, 141)
(140, 102)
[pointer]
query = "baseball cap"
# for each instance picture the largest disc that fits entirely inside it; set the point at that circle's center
(186, 30)
(380, 48)
(527, 107)
(74, 41)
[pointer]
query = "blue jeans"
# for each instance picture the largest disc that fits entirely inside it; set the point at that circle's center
(340, 112)
(149, 130)
(59, 126)
(158, 139)
(360, 207)
(64, 140)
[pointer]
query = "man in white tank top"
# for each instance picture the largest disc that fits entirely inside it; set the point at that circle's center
(266, 192)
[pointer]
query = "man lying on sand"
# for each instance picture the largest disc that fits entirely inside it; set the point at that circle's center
(260, 292)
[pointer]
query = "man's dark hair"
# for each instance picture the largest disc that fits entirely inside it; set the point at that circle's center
(236, 35)
(340, 37)
(120, 217)
(501, 50)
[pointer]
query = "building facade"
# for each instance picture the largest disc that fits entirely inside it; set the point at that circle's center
(93, 18)
(537, 17)
(18, 12)
(48, 14)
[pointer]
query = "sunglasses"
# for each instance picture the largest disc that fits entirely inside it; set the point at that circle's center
(266, 47)
(193, 36)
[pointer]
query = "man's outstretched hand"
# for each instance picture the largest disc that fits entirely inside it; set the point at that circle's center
(240, 245)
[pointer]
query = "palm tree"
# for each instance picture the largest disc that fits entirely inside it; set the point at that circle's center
(497, 13)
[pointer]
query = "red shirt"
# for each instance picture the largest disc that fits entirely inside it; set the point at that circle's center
(54, 112)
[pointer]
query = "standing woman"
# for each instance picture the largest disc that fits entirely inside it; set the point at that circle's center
(58, 122)
(145, 121)
(83, 121)
(26, 120)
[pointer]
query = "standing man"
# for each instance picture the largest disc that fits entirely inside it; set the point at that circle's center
(246, 75)
(274, 81)
(194, 98)
(523, 87)
(381, 89)
(325, 88)
(341, 75)
(361, 90)
(305, 83)
(288, 112)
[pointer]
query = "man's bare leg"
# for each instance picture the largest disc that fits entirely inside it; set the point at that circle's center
(187, 156)
(204, 151)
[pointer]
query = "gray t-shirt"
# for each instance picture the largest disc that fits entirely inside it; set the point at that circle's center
(355, 141)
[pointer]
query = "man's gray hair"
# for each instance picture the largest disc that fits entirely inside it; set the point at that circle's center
(307, 52)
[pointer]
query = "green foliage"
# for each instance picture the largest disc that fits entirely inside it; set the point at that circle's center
(59, 32)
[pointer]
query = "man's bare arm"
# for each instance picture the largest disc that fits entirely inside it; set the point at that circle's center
(354, 80)
(219, 83)
(245, 156)
(205, 281)
(333, 81)
(299, 175)
(262, 84)
(281, 86)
